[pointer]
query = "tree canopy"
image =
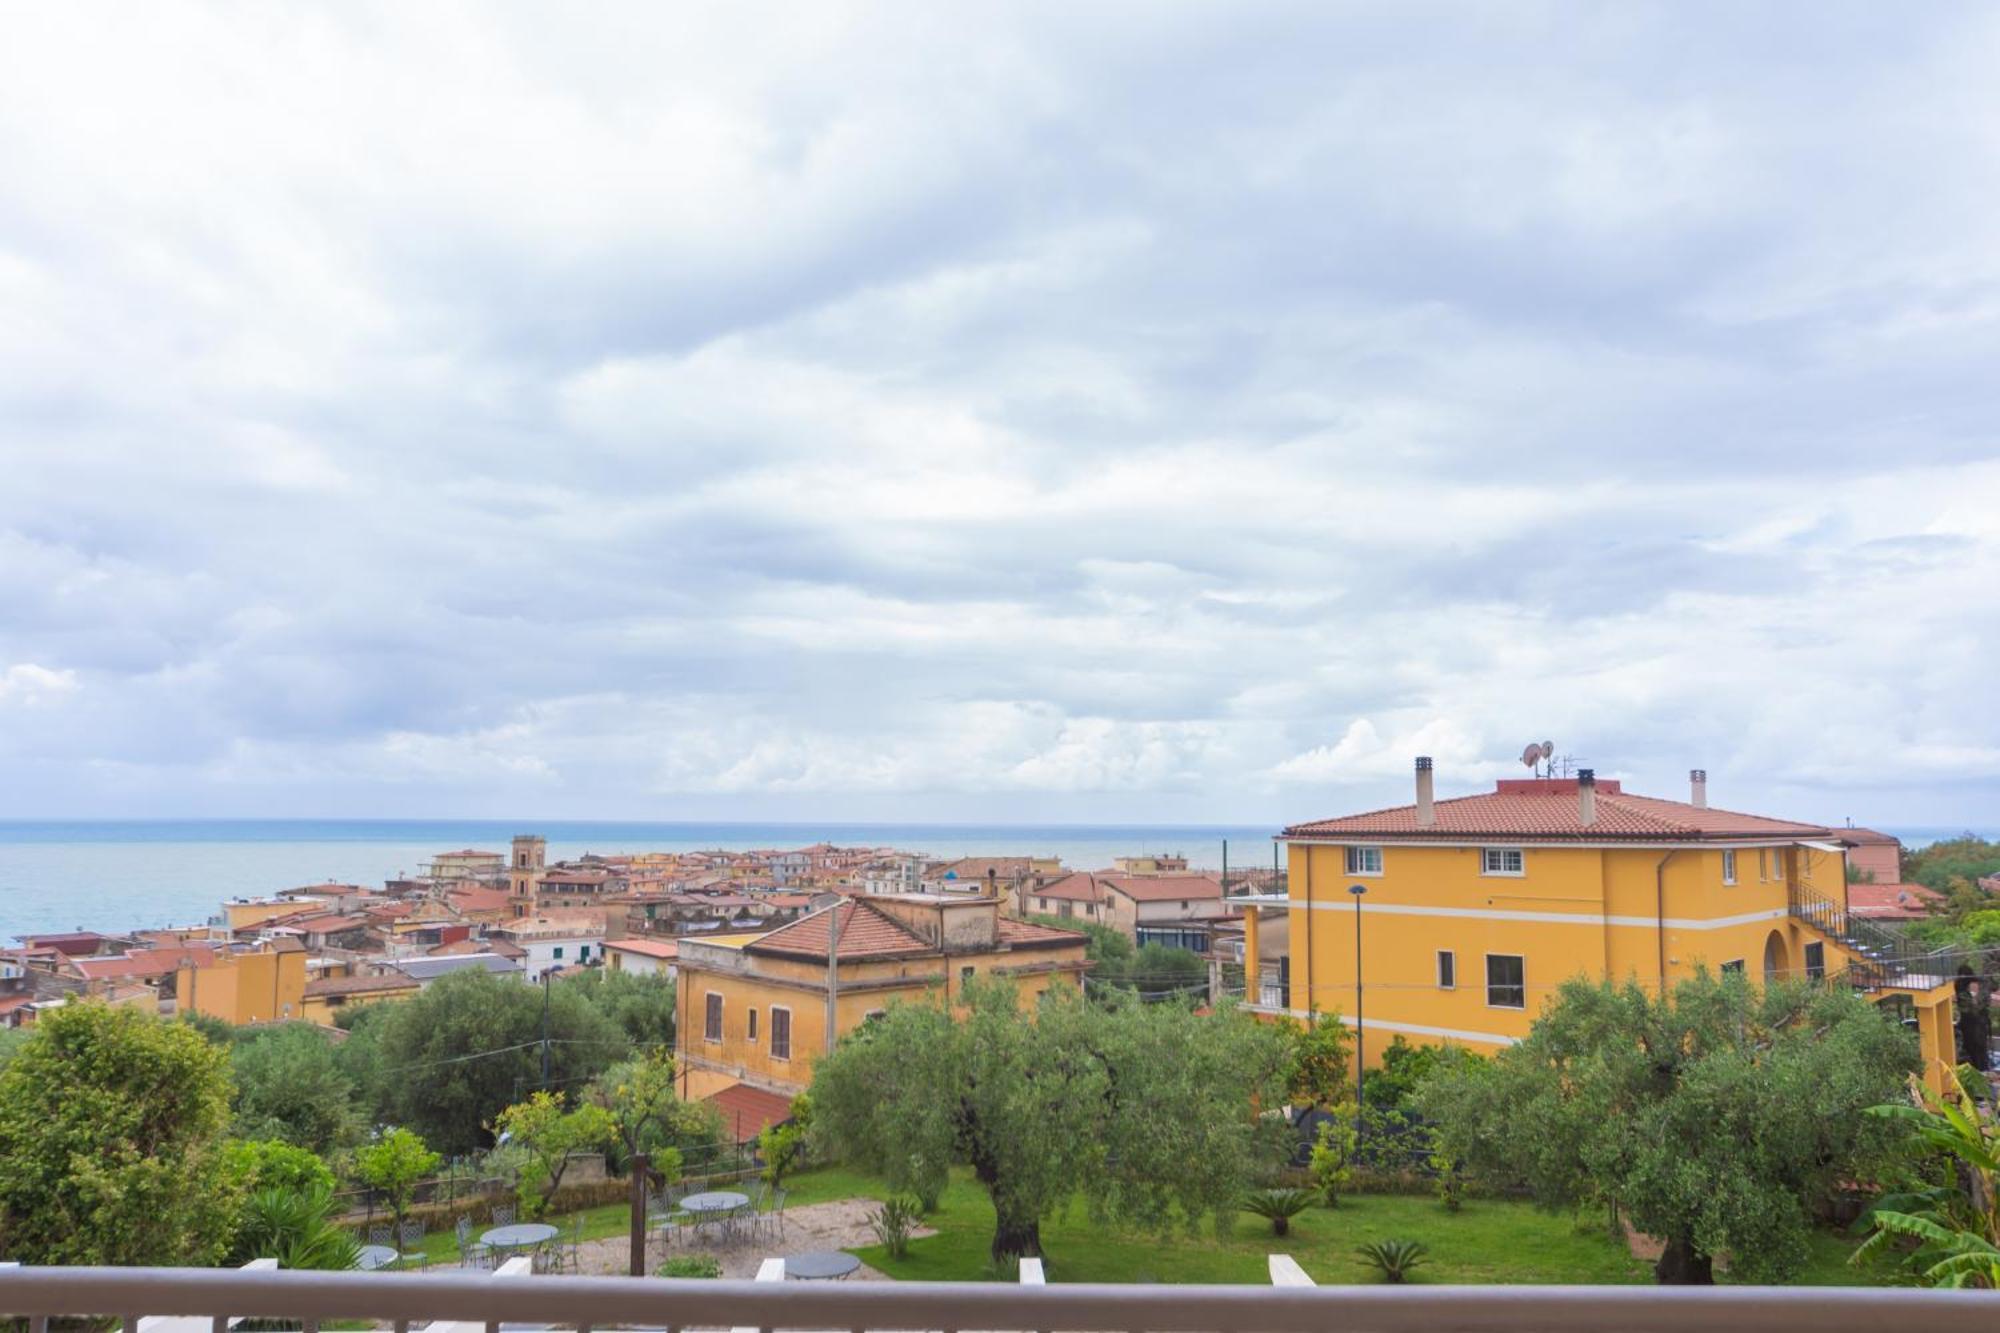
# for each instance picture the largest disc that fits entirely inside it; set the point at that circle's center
(1714, 1119)
(290, 1085)
(454, 1057)
(112, 1128)
(1147, 1113)
(641, 1006)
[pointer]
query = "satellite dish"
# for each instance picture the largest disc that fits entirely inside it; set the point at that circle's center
(1548, 749)
(1531, 756)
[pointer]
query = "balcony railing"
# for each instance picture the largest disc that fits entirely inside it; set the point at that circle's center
(182, 1300)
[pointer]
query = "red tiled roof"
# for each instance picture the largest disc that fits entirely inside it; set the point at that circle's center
(865, 932)
(143, 963)
(479, 900)
(1891, 902)
(1549, 808)
(1030, 935)
(1867, 837)
(748, 1110)
(1163, 888)
(1079, 886)
(650, 948)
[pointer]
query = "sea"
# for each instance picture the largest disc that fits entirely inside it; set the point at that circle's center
(58, 875)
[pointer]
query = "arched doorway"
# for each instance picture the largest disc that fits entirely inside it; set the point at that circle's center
(1777, 962)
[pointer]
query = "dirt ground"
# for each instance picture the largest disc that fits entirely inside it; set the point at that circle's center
(816, 1226)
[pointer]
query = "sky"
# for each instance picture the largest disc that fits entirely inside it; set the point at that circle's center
(1038, 412)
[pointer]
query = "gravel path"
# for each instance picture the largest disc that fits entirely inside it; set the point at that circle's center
(816, 1226)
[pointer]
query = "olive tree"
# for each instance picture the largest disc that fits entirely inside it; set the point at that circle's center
(1146, 1113)
(1714, 1118)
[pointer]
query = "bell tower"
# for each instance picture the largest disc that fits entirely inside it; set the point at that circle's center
(524, 870)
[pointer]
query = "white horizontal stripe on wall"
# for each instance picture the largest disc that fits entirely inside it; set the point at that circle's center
(1551, 918)
(1414, 1029)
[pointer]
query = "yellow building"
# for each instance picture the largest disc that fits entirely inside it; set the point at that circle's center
(1470, 912)
(244, 913)
(326, 996)
(257, 987)
(754, 1009)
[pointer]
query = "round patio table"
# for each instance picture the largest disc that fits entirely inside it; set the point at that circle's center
(820, 1266)
(713, 1206)
(373, 1257)
(520, 1236)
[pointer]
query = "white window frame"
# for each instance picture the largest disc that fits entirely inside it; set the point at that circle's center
(1520, 958)
(1447, 963)
(786, 1053)
(1728, 865)
(1358, 858)
(1486, 855)
(711, 1008)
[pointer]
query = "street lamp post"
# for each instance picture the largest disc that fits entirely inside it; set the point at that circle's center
(1358, 890)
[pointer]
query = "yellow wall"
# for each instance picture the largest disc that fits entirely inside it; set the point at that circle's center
(244, 987)
(325, 1008)
(240, 915)
(1575, 911)
(800, 987)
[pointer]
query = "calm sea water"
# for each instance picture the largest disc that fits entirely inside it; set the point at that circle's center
(68, 875)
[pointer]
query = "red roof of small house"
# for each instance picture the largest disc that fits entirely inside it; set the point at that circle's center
(1867, 837)
(1549, 808)
(747, 1110)
(1032, 935)
(650, 948)
(1891, 902)
(394, 981)
(866, 931)
(480, 900)
(1163, 888)
(73, 942)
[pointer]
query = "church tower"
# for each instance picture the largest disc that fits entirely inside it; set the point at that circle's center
(524, 870)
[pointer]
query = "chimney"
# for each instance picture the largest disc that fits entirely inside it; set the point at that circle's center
(1586, 795)
(1426, 814)
(1698, 783)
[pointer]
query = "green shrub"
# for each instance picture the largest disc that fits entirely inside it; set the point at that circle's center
(1394, 1258)
(1333, 1152)
(894, 1222)
(1280, 1206)
(690, 1265)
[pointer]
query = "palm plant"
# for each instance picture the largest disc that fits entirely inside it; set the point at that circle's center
(894, 1223)
(1955, 1227)
(1394, 1258)
(1278, 1205)
(296, 1228)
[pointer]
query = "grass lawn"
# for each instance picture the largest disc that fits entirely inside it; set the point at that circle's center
(1487, 1241)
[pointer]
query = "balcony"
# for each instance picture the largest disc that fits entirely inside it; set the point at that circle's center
(179, 1300)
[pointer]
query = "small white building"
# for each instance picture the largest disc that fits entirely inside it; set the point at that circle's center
(547, 942)
(643, 957)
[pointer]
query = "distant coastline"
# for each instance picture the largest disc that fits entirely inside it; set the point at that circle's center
(116, 874)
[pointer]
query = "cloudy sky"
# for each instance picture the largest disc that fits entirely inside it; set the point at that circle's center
(1067, 412)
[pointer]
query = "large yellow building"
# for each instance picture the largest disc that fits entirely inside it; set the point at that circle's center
(754, 1009)
(262, 986)
(1469, 912)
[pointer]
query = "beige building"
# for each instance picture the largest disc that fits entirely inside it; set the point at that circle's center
(758, 1010)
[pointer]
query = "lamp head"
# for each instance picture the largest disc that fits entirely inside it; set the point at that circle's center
(1357, 889)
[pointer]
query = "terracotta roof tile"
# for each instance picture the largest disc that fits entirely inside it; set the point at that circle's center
(748, 1110)
(1891, 902)
(865, 932)
(1549, 808)
(1031, 935)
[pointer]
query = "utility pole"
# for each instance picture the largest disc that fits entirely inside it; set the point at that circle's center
(833, 971)
(545, 1030)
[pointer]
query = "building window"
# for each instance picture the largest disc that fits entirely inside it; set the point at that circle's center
(1364, 860)
(1447, 970)
(781, 1033)
(1502, 861)
(711, 1028)
(1734, 965)
(557, 952)
(1067, 910)
(753, 1025)
(1729, 867)
(1506, 981)
(1816, 961)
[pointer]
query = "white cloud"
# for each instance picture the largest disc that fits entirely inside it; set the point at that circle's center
(1004, 413)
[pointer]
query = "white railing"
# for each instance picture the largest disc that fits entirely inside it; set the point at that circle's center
(475, 1300)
